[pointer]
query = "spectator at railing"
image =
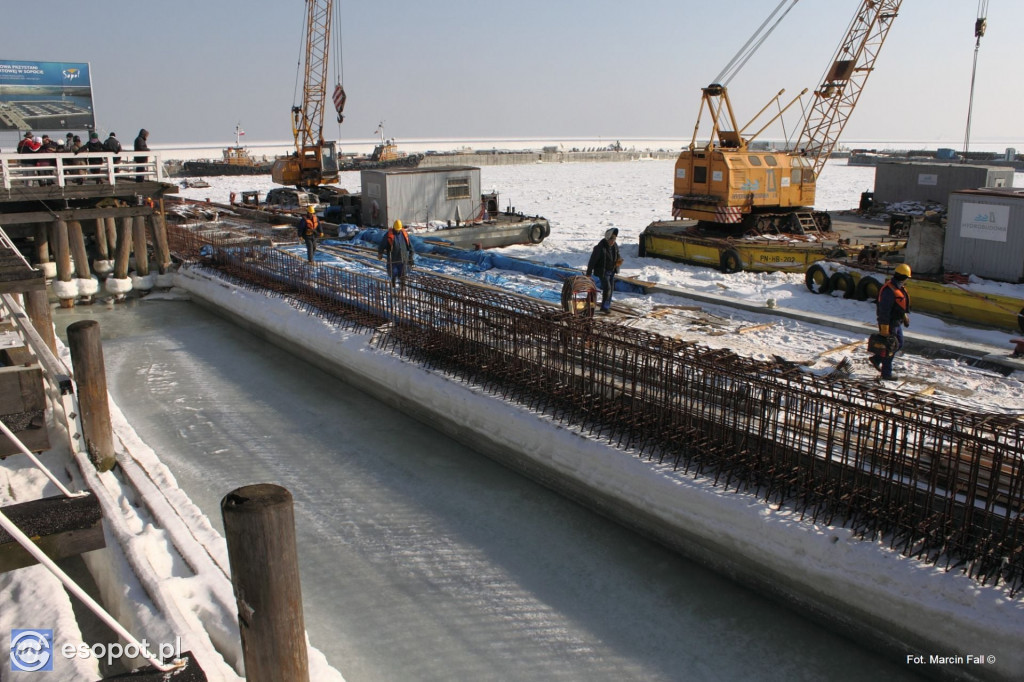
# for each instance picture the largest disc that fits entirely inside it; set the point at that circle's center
(29, 144)
(141, 145)
(113, 145)
(76, 144)
(93, 145)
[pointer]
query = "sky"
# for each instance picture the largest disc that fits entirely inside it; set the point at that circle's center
(189, 71)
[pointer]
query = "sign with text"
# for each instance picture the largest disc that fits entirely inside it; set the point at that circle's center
(985, 221)
(45, 96)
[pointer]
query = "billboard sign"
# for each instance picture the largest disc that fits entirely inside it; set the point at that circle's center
(985, 221)
(45, 96)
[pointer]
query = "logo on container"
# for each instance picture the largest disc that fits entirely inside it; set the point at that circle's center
(31, 650)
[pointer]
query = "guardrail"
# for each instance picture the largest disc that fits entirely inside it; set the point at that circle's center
(67, 169)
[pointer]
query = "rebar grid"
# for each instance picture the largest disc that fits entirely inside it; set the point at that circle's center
(939, 483)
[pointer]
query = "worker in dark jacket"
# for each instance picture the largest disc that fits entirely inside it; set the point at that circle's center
(141, 145)
(309, 229)
(398, 247)
(893, 313)
(93, 145)
(604, 263)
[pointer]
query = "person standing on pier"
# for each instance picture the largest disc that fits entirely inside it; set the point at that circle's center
(309, 229)
(604, 262)
(398, 247)
(893, 313)
(141, 146)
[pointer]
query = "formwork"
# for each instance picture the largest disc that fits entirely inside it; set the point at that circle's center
(940, 483)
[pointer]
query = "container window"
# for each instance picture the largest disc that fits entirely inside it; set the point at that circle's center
(458, 188)
(797, 174)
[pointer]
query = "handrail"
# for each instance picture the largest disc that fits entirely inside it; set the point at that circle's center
(58, 377)
(64, 168)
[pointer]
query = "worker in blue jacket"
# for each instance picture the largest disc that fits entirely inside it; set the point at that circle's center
(401, 256)
(892, 313)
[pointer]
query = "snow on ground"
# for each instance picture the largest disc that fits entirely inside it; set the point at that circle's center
(582, 200)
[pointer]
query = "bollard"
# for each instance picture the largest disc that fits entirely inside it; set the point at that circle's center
(37, 305)
(91, 379)
(259, 526)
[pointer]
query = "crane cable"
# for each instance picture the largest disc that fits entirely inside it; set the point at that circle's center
(753, 43)
(339, 61)
(980, 24)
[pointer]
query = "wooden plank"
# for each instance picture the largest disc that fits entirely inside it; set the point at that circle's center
(754, 328)
(21, 389)
(78, 214)
(60, 526)
(845, 346)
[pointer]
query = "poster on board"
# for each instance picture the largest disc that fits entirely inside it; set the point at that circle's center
(45, 96)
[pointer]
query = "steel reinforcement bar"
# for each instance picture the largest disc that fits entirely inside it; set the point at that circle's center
(939, 483)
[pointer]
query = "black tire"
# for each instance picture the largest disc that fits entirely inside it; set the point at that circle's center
(817, 280)
(730, 261)
(547, 230)
(1020, 319)
(536, 233)
(867, 289)
(842, 281)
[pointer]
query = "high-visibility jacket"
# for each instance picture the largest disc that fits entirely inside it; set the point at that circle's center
(893, 303)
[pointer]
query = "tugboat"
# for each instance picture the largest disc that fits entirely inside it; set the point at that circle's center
(385, 155)
(236, 161)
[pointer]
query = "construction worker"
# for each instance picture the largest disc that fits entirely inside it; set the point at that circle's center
(398, 247)
(604, 262)
(309, 229)
(893, 313)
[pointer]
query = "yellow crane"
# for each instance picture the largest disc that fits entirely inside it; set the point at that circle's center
(735, 189)
(315, 161)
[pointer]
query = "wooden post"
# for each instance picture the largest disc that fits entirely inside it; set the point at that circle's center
(63, 257)
(42, 243)
(76, 236)
(91, 378)
(102, 251)
(259, 525)
(37, 305)
(141, 252)
(111, 225)
(163, 252)
(124, 248)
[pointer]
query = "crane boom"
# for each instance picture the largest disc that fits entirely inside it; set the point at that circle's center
(844, 80)
(315, 161)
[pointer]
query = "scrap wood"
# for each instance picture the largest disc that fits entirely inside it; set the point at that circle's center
(845, 346)
(754, 327)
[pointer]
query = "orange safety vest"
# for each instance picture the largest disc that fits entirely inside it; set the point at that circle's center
(900, 297)
(312, 224)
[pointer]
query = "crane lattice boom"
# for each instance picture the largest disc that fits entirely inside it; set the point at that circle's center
(841, 87)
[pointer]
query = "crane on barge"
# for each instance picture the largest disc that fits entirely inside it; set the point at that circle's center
(733, 189)
(315, 161)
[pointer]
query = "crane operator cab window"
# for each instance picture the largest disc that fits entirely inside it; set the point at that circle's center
(700, 175)
(329, 158)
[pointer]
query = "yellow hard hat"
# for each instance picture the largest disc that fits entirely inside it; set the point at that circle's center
(310, 209)
(398, 225)
(903, 269)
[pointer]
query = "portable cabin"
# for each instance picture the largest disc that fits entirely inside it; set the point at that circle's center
(985, 234)
(420, 195)
(934, 181)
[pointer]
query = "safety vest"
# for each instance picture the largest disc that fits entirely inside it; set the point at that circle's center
(312, 225)
(900, 297)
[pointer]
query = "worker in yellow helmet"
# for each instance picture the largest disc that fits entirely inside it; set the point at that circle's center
(398, 247)
(309, 229)
(893, 313)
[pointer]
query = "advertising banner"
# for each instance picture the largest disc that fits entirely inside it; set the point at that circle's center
(985, 221)
(45, 96)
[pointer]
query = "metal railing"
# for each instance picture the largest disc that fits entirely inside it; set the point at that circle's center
(68, 169)
(939, 482)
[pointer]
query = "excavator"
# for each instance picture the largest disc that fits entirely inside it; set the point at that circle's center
(735, 188)
(315, 161)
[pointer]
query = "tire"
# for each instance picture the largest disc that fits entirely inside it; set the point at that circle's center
(842, 281)
(547, 230)
(1020, 319)
(817, 280)
(867, 289)
(730, 261)
(536, 233)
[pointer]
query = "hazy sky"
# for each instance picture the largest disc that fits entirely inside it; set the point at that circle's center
(188, 70)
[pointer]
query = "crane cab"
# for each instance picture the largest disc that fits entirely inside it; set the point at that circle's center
(317, 165)
(726, 185)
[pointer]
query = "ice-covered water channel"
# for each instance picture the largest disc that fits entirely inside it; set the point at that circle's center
(422, 560)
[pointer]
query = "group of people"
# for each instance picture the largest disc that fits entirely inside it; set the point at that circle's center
(72, 144)
(396, 246)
